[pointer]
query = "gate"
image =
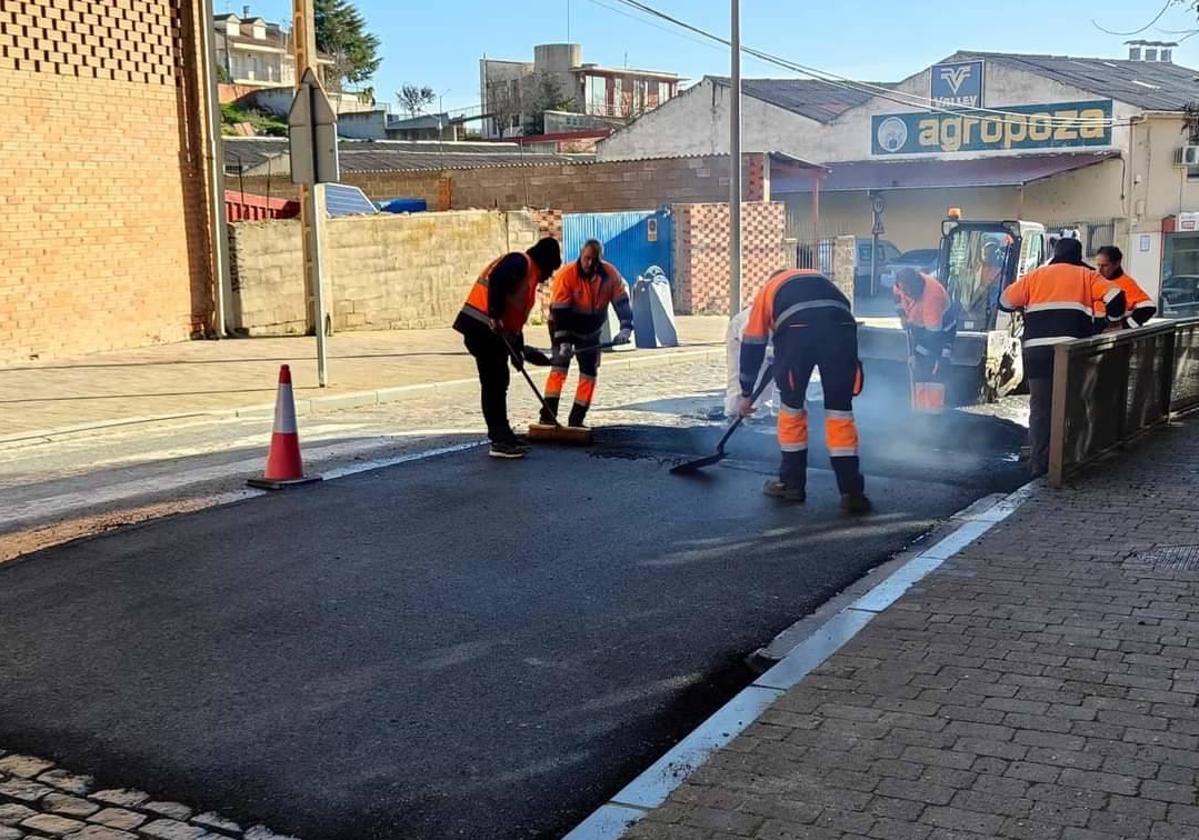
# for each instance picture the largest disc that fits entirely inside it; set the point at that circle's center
(633, 240)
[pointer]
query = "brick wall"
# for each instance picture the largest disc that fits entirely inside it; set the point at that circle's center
(103, 234)
(571, 188)
(386, 271)
(701, 253)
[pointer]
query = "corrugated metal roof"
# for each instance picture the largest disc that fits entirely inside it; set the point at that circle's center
(1152, 85)
(809, 98)
(940, 173)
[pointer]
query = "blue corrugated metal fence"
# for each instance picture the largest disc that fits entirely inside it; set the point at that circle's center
(633, 240)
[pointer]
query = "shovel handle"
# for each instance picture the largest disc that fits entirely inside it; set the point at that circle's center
(764, 381)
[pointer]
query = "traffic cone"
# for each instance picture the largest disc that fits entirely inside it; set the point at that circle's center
(284, 467)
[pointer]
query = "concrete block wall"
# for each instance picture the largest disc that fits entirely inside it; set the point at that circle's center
(701, 253)
(104, 236)
(386, 271)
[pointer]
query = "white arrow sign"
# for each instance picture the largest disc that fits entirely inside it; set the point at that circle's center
(312, 134)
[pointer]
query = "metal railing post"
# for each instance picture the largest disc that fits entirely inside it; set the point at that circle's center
(1057, 414)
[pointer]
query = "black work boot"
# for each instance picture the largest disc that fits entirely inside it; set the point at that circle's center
(549, 412)
(777, 489)
(856, 503)
(577, 414)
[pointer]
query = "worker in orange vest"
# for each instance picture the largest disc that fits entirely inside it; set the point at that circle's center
(492, 322)
(579, 299)
(1109, 262)
(927, 316)
(812, 327)
(1058, 302)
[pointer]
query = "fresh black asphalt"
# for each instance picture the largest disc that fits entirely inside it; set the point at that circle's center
(450, 648)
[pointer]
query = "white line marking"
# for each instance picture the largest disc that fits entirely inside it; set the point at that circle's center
(367, 466)
(654, 785)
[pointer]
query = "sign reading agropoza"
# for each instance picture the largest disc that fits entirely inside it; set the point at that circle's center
(1021, 127)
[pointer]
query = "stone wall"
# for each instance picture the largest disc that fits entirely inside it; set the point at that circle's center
(386, 271)
(104, 235)
(701, 253)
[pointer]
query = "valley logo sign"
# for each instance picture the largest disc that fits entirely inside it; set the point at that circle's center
(1022, 128)
(957, 85)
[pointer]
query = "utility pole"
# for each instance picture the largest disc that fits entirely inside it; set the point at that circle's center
(735, 164)
(312, 204)
(221, 280)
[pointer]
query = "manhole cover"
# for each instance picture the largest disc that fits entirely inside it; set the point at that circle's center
(1179, 558)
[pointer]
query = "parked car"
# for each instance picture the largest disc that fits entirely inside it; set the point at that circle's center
(861, 273)
(922, 259)
(1180, 296)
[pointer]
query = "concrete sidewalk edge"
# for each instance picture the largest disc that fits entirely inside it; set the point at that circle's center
(319, 405)
(654, 784)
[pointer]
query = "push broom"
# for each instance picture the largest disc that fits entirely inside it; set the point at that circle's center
(556, 433)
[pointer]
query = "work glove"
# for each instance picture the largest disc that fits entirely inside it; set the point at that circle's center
(745, 406)
(536, 357)
(623, 337)
(564, 352)
(496, 325)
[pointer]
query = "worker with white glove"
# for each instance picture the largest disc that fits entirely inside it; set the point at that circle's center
(579, 298)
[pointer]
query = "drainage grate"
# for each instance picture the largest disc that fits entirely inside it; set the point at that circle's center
(1179, 558)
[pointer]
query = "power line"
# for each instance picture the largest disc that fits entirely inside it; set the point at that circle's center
(844, 83)
(1156, 18)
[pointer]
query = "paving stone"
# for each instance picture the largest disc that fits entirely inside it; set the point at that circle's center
(172, 830)
(12, 813)
(211, 820)
(24, 790)
(121, 797)
(174, 810)
(99, 832)
(260, 832)
(69, 782)
(117, 818)
(7, 833)
(23, 766)
(71, 806)
(51, 824)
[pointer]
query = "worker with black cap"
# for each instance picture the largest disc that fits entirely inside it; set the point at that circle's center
(1059, 302)
(492, 322)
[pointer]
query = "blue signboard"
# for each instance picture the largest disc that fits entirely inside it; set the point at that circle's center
(957, 85)
(1060, 125)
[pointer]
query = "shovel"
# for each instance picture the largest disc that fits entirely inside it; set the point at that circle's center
(689, 467)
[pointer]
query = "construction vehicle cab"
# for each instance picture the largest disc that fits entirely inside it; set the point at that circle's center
(978, 260)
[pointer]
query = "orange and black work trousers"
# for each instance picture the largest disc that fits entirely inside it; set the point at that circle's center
(589, 362)
(928, 382)
(833, 350)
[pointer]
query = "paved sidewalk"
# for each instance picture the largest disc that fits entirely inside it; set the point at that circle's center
(1041, 684)
(200, 377)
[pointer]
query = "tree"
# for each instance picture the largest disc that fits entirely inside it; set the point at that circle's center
(341, 33)
(414, 99)
(548, 97)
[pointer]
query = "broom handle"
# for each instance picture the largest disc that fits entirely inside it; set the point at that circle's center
(753, 398)
(521, 367)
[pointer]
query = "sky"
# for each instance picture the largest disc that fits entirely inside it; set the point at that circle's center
(439, 43)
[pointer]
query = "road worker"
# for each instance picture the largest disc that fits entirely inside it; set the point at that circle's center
(492, 322)
(927, 316)
(579, 300)
(1058, 302)
(812, 326)
(1109, 262)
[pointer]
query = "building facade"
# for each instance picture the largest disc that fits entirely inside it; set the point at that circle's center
(1086, 144)
(253, 52)
(516, 94)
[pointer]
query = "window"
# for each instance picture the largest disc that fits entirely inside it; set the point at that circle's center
(1151, 55)
(1167, 55)
(1098, 236)
(663, 92)
(979, 262)
(1134, 53)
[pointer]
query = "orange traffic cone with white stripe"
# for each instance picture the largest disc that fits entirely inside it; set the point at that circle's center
(284, 466)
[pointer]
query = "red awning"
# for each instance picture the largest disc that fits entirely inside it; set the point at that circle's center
(940, 173)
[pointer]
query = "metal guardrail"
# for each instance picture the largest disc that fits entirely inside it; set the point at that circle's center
(1110, 389)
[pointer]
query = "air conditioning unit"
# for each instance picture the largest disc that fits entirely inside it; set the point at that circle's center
(1189, 156)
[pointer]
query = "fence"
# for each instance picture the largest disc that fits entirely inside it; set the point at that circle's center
(245, 207)
(1110, 389)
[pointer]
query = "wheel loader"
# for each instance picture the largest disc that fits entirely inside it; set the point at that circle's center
(978, 260)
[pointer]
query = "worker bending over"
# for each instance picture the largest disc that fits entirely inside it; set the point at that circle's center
(812, 327)
(492, 322)
(927, 316)
(1058, 302)
(579, 300)
(1109, 263)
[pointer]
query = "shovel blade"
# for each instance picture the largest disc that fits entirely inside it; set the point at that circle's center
(688, 467)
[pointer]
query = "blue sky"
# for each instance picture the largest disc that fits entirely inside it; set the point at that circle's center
(439, 43)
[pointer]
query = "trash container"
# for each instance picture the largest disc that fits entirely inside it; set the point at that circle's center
(653, 310)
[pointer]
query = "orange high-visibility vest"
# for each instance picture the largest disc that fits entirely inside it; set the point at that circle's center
(518, 305)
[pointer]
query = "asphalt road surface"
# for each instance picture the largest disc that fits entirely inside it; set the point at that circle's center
(452, 647)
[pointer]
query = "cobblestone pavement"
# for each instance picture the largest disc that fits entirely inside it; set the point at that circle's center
(1041, 684)
(39, 800)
